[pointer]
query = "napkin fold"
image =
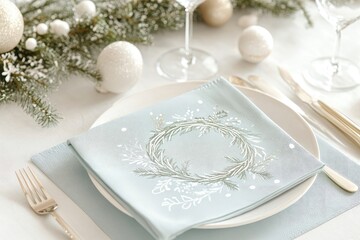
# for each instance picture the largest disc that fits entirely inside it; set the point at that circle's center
(204, 156)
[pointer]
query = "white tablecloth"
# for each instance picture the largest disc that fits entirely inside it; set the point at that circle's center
(80, 105)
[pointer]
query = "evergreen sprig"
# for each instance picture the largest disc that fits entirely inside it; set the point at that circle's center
(26, 77)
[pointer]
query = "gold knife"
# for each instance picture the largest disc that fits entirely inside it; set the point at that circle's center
(338, 119)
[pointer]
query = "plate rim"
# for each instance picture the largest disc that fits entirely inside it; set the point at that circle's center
(226, 223)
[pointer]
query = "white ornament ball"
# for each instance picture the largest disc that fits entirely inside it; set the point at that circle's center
(11, 26)
(42, 29)
(216, 12)
(59, 28)
(120, 65)
(85, 9)
(255, 44)
(30, 44)
(247, 20)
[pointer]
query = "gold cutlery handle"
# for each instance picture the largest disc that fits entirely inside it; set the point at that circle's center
(66, 227)
(342, 182)
(339, 120)
(341, 117)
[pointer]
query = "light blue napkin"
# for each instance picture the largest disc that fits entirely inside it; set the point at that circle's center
(207, 155)
(322, 202)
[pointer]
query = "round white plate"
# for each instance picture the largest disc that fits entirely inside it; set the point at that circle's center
(287, 119)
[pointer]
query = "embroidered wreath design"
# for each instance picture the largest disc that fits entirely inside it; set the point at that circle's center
(164, 166)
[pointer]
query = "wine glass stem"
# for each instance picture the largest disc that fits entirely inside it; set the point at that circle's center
(334, 58)
(188, 35)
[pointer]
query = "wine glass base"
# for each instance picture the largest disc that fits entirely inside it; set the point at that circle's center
(174, 65)
(320, 74)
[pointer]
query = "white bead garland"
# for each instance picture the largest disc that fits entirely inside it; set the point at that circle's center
(11, 26)
(85, 8)
(42, 29)
(30, 44)
(59, 28)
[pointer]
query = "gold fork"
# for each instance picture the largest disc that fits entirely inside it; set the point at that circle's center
(39, 200)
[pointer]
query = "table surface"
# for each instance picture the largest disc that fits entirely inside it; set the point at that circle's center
(80, 105)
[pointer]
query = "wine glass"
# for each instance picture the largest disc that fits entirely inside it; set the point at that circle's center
(186, 63)
(335, 73)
